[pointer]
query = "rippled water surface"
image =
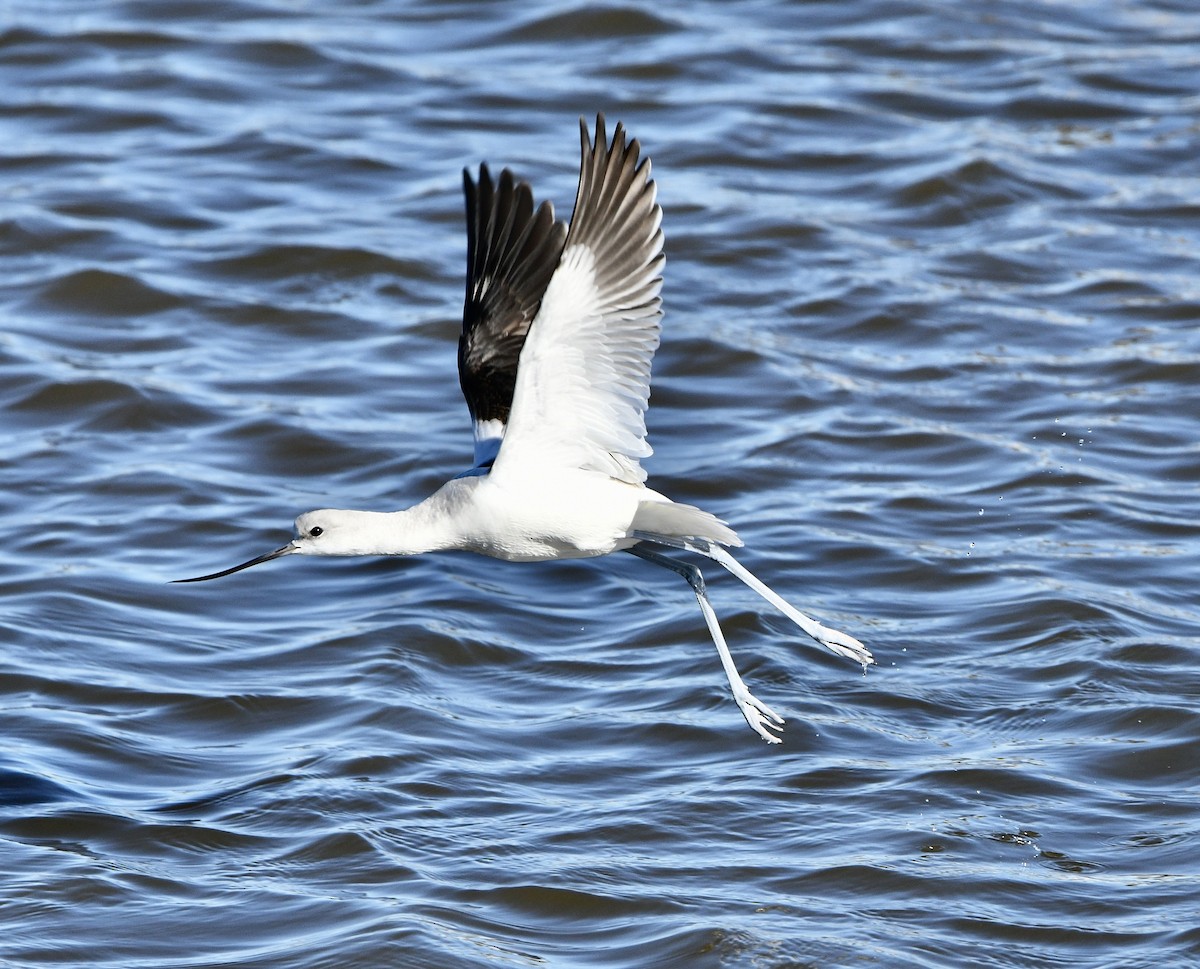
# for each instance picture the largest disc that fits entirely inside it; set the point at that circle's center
(931, 345)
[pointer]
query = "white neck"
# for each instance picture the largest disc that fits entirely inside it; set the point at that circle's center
(426, 527)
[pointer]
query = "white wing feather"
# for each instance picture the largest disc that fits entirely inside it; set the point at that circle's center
(583, 382)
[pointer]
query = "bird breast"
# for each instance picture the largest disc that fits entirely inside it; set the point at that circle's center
(552, 515)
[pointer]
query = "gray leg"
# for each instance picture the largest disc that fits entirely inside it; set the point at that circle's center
(832, 639)
(762, 718)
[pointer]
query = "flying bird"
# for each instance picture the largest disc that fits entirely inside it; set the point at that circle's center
(559, 328)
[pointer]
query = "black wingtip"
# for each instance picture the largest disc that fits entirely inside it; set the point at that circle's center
(513, 248)
(585, 134)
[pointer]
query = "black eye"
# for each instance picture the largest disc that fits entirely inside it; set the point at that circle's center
(316, 531)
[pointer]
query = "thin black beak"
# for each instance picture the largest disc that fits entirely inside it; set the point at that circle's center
(286, 550)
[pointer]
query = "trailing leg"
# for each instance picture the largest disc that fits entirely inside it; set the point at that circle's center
(832, 639)
(762, 718)
(838, 642)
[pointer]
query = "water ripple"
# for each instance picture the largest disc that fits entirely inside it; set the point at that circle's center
(928, 346)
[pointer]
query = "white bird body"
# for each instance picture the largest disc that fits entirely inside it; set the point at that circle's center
(523, 520)
(559, 330)
(518, 517)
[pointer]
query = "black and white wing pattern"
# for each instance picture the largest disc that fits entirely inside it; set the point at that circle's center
(584, 378)
(512, 252)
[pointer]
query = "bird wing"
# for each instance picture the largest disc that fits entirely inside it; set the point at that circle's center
(511, 254)
(584, 377)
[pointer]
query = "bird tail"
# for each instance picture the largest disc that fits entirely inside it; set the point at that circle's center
(671, 520)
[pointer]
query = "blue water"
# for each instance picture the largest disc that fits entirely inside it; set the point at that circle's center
(930, 346)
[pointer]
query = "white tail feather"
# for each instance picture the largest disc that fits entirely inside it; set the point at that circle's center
(672, 523)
